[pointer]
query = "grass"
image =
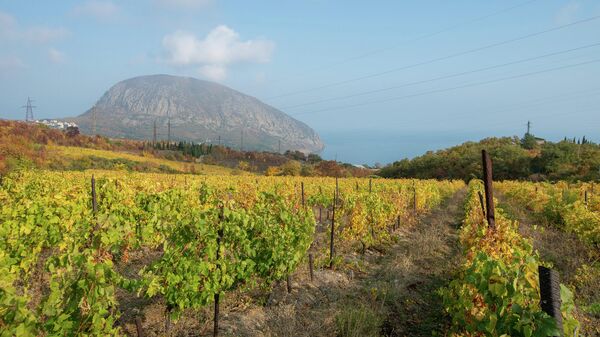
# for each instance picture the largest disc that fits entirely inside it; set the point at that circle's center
(359, 322)
(123, 160)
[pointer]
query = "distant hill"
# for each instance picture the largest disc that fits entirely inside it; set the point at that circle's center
(198, 111)
(514, 158)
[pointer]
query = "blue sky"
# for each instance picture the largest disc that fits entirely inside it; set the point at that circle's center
(291, 54)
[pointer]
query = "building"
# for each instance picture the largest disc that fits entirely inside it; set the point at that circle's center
(56, 124)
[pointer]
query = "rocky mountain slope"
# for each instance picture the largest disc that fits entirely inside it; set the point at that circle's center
(198, 111)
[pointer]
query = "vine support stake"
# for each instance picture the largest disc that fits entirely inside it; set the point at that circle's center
(138, 327)
(331, 248)
(337, 190)
(216, 318)
(370, 185)
(550, 295)
(219, 239)
(94, 202)
(489, 189)
(586, 197)
(302, 187)
(397, 222)
(481, 203)
(289, 283)
(311, 264)
(414, 198)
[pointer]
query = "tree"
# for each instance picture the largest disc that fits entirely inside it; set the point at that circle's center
(73, 131)
(307, 171)
(291, 168)
(529, 142)
(243, 165)
(272, 171)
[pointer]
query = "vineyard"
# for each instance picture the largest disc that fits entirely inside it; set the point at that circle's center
(67, 238)
(87, 253)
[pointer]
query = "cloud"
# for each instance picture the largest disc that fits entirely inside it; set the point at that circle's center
(220, 48)
(102, 10)
(184, 3)
(44, 34)
(56, 56)
(11, 62)
(10, 30)
(6, 22)
(568, 13)
(214, 72)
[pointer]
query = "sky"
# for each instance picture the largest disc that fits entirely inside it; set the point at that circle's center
(378, 80)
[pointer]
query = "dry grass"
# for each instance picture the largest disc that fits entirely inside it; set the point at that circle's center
(70, 152)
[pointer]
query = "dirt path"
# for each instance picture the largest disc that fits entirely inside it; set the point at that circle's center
(567, 253)
(422, 262)
(392, 294)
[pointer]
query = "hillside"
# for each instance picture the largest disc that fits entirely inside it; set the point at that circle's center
(31, 145)
(198, 111)
(27, 145)
(514, 158)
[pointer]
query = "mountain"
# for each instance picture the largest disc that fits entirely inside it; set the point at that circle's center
(199, 111)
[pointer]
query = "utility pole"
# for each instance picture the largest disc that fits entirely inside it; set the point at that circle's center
(279, 147)
(219, 140)
(528, 126)
(169, 130)
(29, 110)
(242, 142)
(94, 130)
(154, 135)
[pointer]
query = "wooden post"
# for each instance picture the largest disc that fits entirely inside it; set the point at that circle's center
(397, 222)
(481, 203)
(370, 185)
(289, 283)
(320, 211)
(311, 266)
(302, 187)
(550, 295)
(332, 232)
(337, 191)
(216, 318)
(168, 320)
(138, 326)
(219, 239)
(357, 186)
(94, 202)
(586, 197)
(414, 199)
(489, 189)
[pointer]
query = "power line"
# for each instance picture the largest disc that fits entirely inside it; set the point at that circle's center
(517, 107)
(442, 77)
(437, 59)
(422, 37)
(455, 88)
(557, 114)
